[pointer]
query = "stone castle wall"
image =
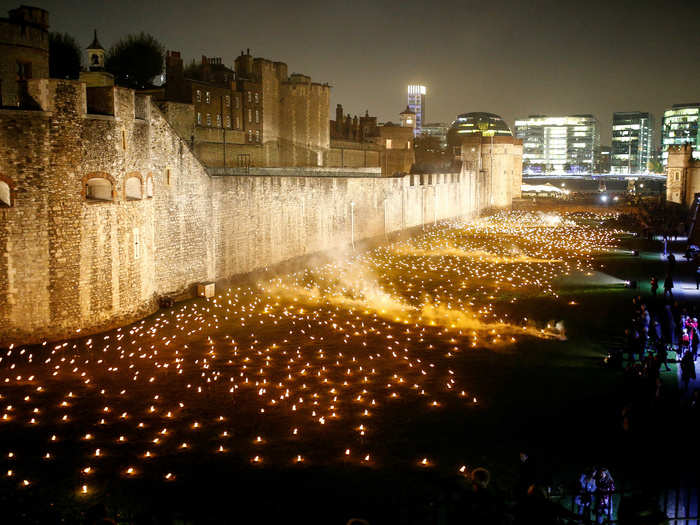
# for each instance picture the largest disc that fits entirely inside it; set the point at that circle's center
(24, 38)
(682, 175)
(70, 264)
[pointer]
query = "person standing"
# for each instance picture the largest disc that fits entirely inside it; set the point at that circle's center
(668, 285)
(654, 285)
(687, 369)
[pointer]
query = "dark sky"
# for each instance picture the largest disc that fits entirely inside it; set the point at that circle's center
(512, 58)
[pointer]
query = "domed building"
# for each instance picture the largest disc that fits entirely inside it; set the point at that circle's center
(485, 124)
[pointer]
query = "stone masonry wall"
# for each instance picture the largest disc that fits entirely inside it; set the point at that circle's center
(70, 265)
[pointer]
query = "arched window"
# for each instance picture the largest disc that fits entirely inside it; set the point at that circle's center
(98, 187)
(5, 195)
(149, 186)
(132, 188)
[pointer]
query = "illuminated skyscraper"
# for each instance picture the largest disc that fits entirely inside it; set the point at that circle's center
(631, 142)
(416, 102)
(680, 126)
(558, 144)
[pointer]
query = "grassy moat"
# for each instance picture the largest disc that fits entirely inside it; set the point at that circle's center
(364, 386)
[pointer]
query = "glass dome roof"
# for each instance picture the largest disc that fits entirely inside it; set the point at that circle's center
(477, 122)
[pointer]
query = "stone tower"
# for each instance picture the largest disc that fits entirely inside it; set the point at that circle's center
(95, 55)
(408, 118)
(96, 75)
(682, 175)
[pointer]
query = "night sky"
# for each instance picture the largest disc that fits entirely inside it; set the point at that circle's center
(510, 58)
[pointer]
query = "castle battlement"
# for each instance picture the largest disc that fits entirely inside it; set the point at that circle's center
(75, 98)
(104, 209)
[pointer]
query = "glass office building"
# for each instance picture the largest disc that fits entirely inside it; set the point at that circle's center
(438, 130)
(416, 101)
(558, 144)
(631, 142)
(680, 126)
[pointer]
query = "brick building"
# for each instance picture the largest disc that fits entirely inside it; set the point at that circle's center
(252, 115)
(24, 51)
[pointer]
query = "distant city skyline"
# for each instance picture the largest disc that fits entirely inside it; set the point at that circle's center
(541, 57)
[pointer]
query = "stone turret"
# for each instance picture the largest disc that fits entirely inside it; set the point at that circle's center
(96, 75)
(682, 175)
(96, 55)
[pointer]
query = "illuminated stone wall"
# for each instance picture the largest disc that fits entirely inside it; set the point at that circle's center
(682, 175)
(68, 264)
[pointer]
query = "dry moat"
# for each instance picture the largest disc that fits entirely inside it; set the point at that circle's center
(424, 358)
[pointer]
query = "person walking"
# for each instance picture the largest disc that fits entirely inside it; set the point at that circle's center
(687, 369)
(668, 285)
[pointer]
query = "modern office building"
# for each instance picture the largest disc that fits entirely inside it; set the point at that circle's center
(632, 133)
(416, 102)
(680, 126)
(438, 130)
(558, 144)
(602, 164)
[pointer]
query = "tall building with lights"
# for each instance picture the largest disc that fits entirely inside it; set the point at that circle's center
(680, 126)
(416, 102)
(558, 144)
(631, 142)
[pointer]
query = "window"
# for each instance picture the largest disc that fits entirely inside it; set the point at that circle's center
(408, 144)
(149, 186)
(227, 101)
(137, 244)
(199, 95)
(132, 188)
(249, 96)
(218, 120)
(257, 99)
(227, 121)
(388, 143)
(199, 118)
(250, 115)
(257, 116)
(167, 176)
(124, 140)
(238, 103)
(257, 136)
(208, 119)
(24, 70)
(5, 195)
(207, 96)
(250, 135)
(238, 122)
(98, 188)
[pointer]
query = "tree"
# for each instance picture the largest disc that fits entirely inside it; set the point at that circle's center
(655, 166)
(135, 60)
(64, 56)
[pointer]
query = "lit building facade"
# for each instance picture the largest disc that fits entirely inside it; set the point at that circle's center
(680, 126)
(416, 102)
(438, 130)
(631, 142)
(558, 144)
